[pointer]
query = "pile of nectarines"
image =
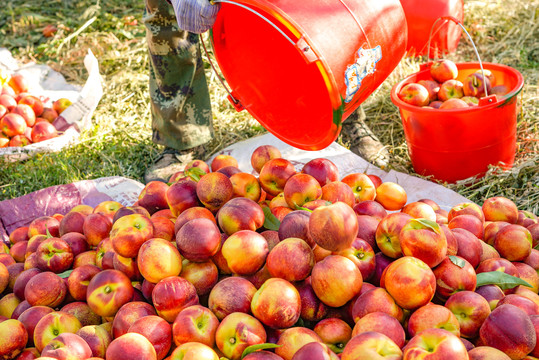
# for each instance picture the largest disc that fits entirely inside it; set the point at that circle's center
(444, 91)
(23, 117)
(273, 264)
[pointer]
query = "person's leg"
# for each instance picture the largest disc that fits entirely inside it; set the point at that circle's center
(362, 140)
(179, 96)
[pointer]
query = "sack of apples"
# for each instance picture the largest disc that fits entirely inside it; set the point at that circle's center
(279, 263)
(39, 110)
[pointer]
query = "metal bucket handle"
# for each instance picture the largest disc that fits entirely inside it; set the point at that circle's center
(302, 46)
(456, 21)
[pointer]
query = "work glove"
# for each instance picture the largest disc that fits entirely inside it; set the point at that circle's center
(196, 16)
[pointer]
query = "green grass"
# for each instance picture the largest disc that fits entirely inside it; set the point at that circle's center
(119, 141)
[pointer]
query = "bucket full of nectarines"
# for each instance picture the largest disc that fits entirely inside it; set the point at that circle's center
(459, 118)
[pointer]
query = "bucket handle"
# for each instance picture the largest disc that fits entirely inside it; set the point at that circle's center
(456, 21)
(301, 44)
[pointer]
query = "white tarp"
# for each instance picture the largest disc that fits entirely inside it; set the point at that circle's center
(50, 85)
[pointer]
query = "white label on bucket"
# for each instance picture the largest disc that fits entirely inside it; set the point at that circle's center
(365, 65)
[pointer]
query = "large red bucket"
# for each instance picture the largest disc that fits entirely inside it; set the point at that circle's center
(420, 17)
(455, 144)
(301, 67)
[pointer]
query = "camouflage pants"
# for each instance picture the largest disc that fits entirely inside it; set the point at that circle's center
(179, 96)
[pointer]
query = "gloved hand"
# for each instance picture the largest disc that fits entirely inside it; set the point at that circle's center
(196, 16)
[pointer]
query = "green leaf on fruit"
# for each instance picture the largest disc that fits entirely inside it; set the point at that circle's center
(457, 261)
(303, 208)
(433, 225)
(503, 280)
(65, 274)
(270, 221)
(253, 348)
(194, 173)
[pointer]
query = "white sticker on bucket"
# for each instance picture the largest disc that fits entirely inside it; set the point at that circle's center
(365, 65)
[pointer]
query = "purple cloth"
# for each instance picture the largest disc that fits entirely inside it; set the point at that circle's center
(196, 16)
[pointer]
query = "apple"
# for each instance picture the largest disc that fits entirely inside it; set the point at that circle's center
(171, 295)
(336, 191)
(77, 282)
(8, 304)
(487, 353)
(26, 112)
(129, 233)
(29, 353)
(191, 214)
(61, 104)
(53, 324)
(469, 246)
(240, 214)
(77, 242)
(272, 237)
(18, 251)
(433, 316)
(414, 94)
(158, 259)
(293, 339)
(54, 254)
(513, 242)
(471, 310)
(300, 189)
(223, 160)
(182, 195)
(335, 333)
(128, 210)
(443, 70)
(18, 83)
(313, 350)
(424, 240)
(12, 124)
(43, 131)
(203, 275)
(432, 87)
(527, 305)
(296, 225)
(475, 85)
(49, 114)
(229, 170)
(19, 234)
(229, 295)
(499, 208)
(82, 312)
(312, 309)
(46, 289)
(13, 339)
(96, 227)
(214, 190)
(491, 229)
(108, 291)
(526, 218)
(67, 346)
(291, 259)
(8, 102)
(157, 330)
(361, 185)
(330, 286)
(452, 278)
(371, 345)
(527, 273)
(131, 346)
(245, 185)
(274, 175)
(193, 351)
(362, 254)
(195, 324)
(410, 282)
(236, 332)
(153, 196)
(14, 271)
(108, 208)
(97, 337)
(391, 195)
(435, 344)
(276, 304)
(4, 278)
(510, 330)
(382, 323)
(323, 170)
(31, 316)
(388, 233)
(104, 254)
(262, 154)
(470, 100)
(277, 201)
(333, 227)
(245, 252)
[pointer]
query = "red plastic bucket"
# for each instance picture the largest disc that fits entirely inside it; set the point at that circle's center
(420, 17)
(301, 67)
(455, 144)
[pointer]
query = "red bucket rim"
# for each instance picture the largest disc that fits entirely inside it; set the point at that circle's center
(486, 65)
